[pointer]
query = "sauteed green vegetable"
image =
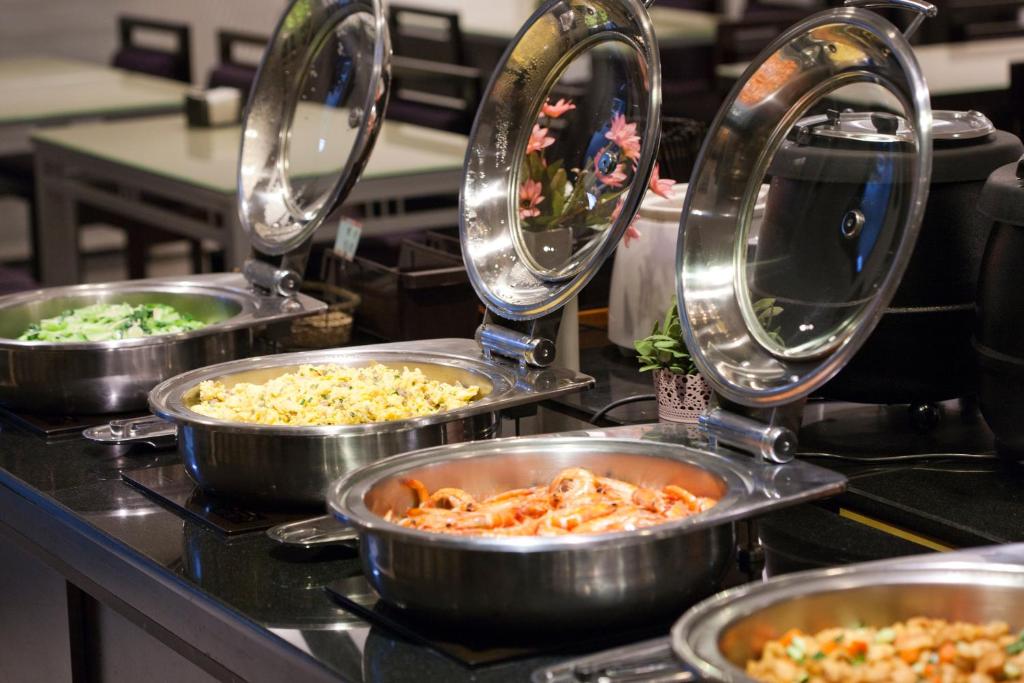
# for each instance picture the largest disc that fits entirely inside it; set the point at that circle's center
(107, 322)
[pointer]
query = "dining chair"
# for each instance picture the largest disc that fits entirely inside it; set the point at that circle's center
(740, 40)
(174, 63)
(964, 20)
(17, 179)
(432, 83)
(143, 49)
(1016, 98)
(234, 70)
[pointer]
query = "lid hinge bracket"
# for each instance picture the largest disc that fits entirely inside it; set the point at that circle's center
(769, 437)
(528, 342)
(283, 279)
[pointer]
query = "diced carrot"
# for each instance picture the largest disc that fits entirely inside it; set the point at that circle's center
(789, 635)
(910, 655)
(829, 646)
(947, 653)
(857, 647)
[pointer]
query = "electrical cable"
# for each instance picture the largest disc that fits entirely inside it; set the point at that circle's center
(621, 402)
(914, 457)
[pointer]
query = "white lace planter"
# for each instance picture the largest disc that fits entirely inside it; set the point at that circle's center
(681, 398)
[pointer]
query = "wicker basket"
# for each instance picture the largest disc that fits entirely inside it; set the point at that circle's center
(680, 144)
(329, 328)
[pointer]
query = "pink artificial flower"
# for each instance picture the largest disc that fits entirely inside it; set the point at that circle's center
(631, 232)
(553, 111)
(661, 186)
(624, 135)
(617, 210)
(613, 179)
(539, 139)
(529, 199)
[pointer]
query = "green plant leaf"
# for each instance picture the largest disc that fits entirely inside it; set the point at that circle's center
(535, 166)
(553, 169)
(644, 347)
(556, 193)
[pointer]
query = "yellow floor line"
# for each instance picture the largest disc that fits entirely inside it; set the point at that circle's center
(893, 531)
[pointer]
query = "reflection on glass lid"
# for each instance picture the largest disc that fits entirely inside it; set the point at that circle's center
(839, 187)
(562, 149)
(775, 308)
(580, 159)
(312, 118)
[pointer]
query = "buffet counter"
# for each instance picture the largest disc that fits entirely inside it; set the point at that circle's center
(123, 588)
(960, 502)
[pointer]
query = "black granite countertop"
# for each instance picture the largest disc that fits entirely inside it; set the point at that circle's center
(67, 495)
(282, 593)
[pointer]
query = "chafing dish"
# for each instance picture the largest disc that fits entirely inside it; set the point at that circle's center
(291, 465)
(714, 639)
(565, 581)
(116, 376)
(717, 637)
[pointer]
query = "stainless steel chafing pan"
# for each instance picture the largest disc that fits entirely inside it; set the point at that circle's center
(116, 376)
(718, 636)
(564, 581)
(714, 639)
(293, 465)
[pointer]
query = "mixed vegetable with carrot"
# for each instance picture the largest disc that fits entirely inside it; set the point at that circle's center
(919, 650)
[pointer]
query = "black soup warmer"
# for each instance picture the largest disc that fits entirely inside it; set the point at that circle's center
(920, 352)
(999, 336)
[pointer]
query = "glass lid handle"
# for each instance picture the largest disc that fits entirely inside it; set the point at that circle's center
(925, 10)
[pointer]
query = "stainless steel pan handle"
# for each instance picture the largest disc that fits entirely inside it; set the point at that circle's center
(311, 533)
(652, 661)
(149, 430)
(925, 10)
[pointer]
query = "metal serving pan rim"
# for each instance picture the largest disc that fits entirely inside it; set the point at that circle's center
(760, 493)
(510, 388)
(248, 315)
(694, 633)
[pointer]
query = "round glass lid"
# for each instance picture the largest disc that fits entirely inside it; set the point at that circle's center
(561, 153)
(835, 119)
(312, 117)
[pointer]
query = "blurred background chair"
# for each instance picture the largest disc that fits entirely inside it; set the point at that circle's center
(433, 85)
(156, 48)
(1016, 97)
(17, 179)
(154, 59)
(234, 69)
(964, 20)
(740, 40)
